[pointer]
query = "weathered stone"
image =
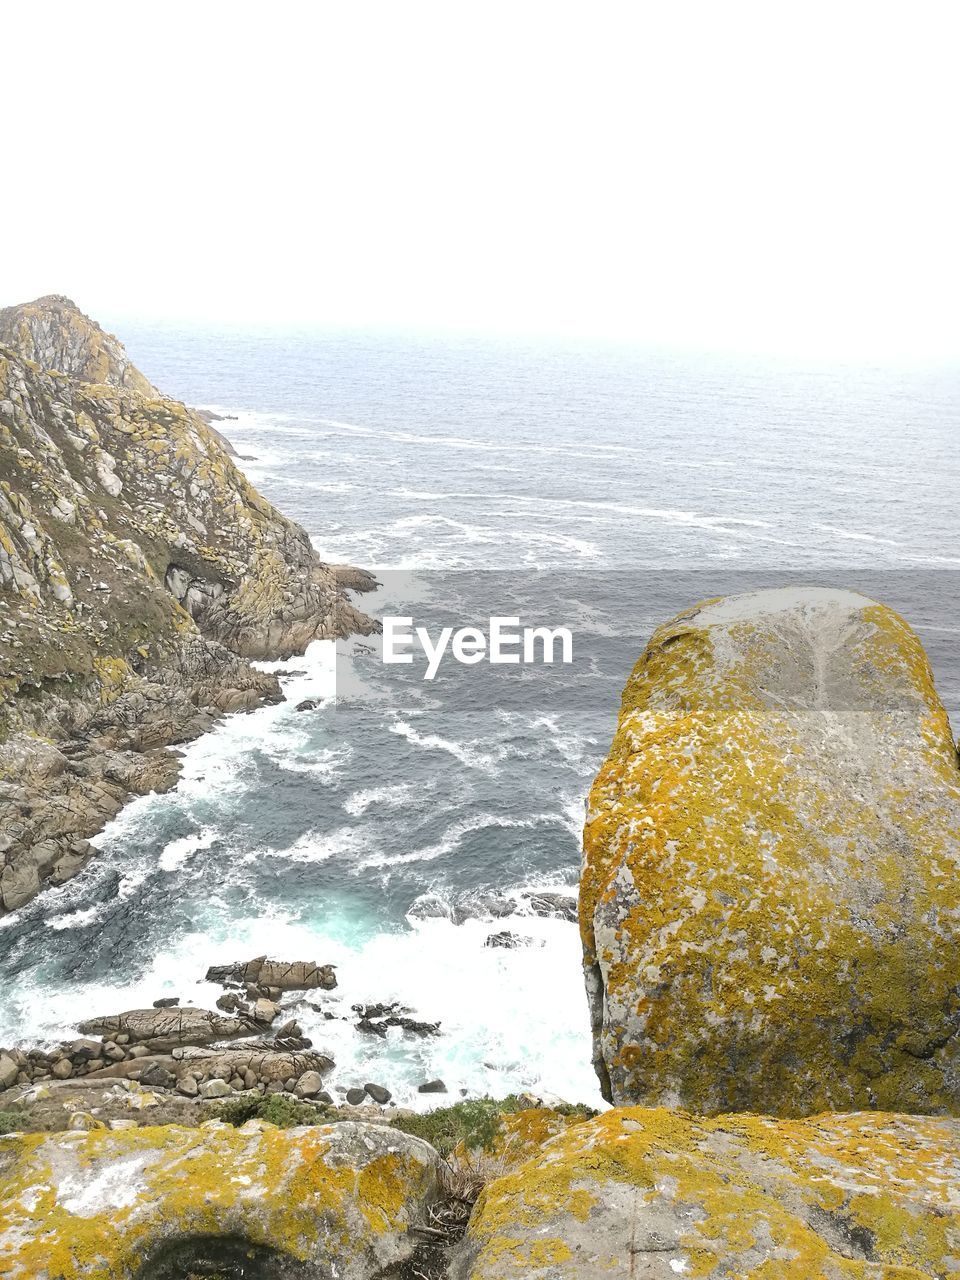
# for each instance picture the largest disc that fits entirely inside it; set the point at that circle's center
(265, 1011)
(156, 1076)
(296, 975)
(265, 1064)
(215, 1089)
(322, 1201)
(181, 1025)
(378, 1093)
(432, 1086)
(8, 1072)
(309, 1085)
(770, 887)
(658, 1194)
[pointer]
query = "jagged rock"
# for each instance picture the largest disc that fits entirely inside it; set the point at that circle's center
(505, 939)
(663, 1194)
(375, 1019)
(165, 1028)
(8, 1072)
(54, 333)
(156, 1076)
(321, 1201)
(84, 1050)
(771, 859)
(295, 975)
(562, 906)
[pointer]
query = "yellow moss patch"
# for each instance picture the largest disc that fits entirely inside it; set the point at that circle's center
(745, 1196)
(94, 1203)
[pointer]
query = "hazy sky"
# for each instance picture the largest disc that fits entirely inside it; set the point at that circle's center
(769, 175)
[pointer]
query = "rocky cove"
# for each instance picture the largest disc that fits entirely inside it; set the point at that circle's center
(768, 907)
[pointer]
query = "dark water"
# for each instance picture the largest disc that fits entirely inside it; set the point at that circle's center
(596, 488)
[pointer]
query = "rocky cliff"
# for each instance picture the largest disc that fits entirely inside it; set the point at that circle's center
(138, 570)
(770, 895)
(53, 333)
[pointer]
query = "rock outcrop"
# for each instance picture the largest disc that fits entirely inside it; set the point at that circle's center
(138, 571)
(336, 1200)
(283, 975)
(53, 333)
(657, 1194)
(166, 1028)
(770, 904)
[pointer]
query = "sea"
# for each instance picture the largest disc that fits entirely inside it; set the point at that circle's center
(399, 824)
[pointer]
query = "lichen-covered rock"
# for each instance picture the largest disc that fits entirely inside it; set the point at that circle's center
(55, 334)
(770, 903)
(337, 1200)
(655, 1194)
(139, 569)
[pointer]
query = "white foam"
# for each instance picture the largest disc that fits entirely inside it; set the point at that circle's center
(177, 852)
(391, 797)
(450, 841)
(467, 753)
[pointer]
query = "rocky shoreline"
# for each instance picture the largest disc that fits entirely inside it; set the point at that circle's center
(251, 1044)
(140, 573)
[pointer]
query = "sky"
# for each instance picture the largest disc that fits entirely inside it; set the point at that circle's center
(776, 176)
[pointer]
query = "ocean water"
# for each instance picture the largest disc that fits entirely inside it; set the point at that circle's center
(596, 487)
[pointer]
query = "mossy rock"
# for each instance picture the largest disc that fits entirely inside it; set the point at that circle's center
(658, 1194)
(132, 1204)
(770, 896)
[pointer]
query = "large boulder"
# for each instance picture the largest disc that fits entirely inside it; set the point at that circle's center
(336, 1200)
(770, 902)
(285, 975)
(657, 1194)
(165, 1029)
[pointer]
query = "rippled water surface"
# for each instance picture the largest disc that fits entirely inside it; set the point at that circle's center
(607, 488)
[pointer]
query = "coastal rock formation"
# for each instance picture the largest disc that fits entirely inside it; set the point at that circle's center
(138, 570)
(657, 1194)
(168, 1202)
(167, 1028)
(283, 975)
(53, 333)
(770, 895)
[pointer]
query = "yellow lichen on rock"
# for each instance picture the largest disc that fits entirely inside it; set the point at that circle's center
(97, 1204)
(770, 903)
(655, 1194)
